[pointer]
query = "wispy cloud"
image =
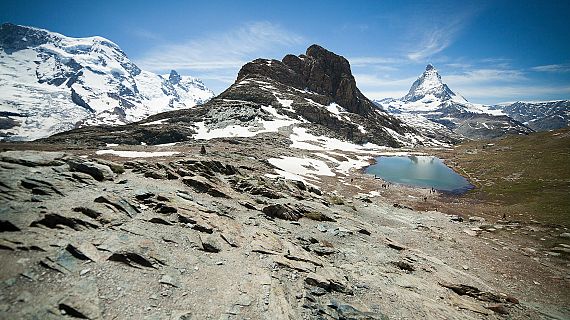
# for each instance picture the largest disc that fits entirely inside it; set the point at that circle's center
(373, 80)
(219, 56)
(145, 34)
(553, 68)
(479, 76)
(437, 27)
(459, 65)
(436, 39)
(492, 85)
(434, 42)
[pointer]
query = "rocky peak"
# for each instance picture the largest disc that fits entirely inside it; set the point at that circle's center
(430, 85)
(14, 37)
(174, 77)
(319, 71)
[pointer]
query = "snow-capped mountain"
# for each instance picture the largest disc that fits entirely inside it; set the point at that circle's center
(430, 87)
(310, 100)
(539, 115)
(431, 104)
(51, 83)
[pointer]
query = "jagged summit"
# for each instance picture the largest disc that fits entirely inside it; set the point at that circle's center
(53, 83)
(319, 71)
(429, 85)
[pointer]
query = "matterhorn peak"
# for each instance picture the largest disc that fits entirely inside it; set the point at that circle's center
(429, 85)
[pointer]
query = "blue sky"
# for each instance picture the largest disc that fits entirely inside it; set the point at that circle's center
(488, 51)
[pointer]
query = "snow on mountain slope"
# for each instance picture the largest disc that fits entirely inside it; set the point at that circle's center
(430, 87)
(430, 104)
(51, 83)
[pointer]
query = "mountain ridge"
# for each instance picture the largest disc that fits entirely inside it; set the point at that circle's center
(313, 92)
(539, 115)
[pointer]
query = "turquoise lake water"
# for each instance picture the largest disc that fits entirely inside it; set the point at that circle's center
(419, 171)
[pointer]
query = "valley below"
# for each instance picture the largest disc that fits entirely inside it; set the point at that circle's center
(170, 232)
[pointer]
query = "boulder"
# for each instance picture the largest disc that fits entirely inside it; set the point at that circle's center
(99, 172)
(282, 211)
(202, 185)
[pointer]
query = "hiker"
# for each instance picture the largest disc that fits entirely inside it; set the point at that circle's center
(203, 150)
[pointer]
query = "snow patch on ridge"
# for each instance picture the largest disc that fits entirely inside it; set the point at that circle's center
(300, 168)
(245, 130)
(301, 139)
(137, 154)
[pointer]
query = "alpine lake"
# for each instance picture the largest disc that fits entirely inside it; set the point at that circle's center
(419, 171)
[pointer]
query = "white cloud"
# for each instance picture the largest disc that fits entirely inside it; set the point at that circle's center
(375, 87)
(373, 80)
(381, 94)
(553, 68)
(459, 65)
(433, 39)
(228, 50)
(145, 34)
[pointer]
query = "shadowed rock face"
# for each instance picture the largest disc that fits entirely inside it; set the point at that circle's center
(319, 71)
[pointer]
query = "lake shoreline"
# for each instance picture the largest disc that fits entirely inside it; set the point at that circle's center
(415, 171)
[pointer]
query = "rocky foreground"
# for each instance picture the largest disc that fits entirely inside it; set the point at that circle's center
(210, 236)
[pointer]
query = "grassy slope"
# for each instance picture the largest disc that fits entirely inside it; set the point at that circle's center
(528, 175)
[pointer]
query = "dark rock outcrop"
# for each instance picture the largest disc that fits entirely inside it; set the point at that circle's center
(319, 71)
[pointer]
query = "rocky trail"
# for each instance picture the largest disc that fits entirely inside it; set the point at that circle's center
(210, 236)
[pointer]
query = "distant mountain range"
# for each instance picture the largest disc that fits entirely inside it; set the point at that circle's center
(539, 115)
(308, 97)
(51, 83)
